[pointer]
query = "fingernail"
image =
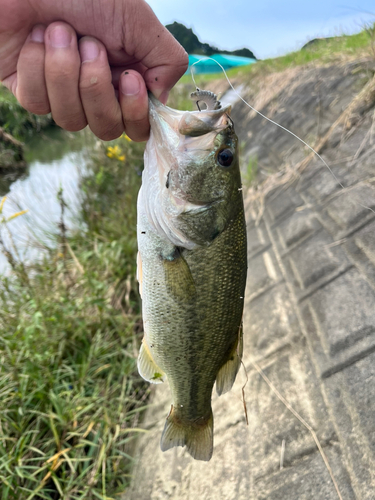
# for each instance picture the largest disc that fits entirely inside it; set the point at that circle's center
(129, 84)
(37, 34)
(60, 37)
(89, 50)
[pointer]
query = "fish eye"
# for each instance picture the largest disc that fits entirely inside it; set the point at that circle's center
(225, 157)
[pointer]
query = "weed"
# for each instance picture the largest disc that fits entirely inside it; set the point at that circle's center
(370, 30)
(70, 396)
(250, 172)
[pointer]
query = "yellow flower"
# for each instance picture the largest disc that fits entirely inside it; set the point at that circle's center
(115, 152)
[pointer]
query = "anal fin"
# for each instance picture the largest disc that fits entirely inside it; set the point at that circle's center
(197, 437)
(227, 373)
(147, 367)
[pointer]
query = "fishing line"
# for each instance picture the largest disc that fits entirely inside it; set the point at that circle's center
(254, 364)
(273, 122)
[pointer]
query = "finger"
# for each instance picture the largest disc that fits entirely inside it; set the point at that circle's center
(117, 71)
(101, 107)
(10, 82)
(62, 68)
(159, 51)
(134, 105)
(31, 90)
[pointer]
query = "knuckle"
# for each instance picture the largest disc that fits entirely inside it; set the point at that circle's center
(182, 59)
(110, 134)
(62, 69)
(106, 126)
(136, 133)
(137, 115)
(92, 86)
(71, 124)
(138, 124)
(37, 107)
(59, 75)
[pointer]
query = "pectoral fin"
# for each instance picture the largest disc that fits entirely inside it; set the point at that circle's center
(147, 367)
(178, 278)
(227, 373)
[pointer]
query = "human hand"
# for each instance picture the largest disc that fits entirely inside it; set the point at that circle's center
(99, 78)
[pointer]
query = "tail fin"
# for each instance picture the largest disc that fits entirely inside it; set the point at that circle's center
(197, 437)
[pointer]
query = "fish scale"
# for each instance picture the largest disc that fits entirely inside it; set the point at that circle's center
(192, 296)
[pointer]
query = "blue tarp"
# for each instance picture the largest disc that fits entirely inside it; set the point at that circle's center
(207, 65)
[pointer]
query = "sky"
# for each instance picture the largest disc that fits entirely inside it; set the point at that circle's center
(268, 27)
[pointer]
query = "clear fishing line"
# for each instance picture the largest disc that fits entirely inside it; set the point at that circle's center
(257, 368)
(273, 122)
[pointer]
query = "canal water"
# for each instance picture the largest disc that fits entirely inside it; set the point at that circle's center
(56, 161)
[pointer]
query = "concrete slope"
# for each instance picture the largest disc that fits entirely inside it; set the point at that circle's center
(310, 309)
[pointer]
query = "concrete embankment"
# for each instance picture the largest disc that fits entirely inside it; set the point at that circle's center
(309, 320)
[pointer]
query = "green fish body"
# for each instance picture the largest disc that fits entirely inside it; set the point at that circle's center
(192, 267)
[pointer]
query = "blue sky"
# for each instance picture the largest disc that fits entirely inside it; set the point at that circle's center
(268, 27)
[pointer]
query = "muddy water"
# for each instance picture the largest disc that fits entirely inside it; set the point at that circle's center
(56, 162)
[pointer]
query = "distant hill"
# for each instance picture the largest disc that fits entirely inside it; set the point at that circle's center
(190, 42)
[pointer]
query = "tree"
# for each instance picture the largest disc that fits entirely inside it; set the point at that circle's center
(190, 42)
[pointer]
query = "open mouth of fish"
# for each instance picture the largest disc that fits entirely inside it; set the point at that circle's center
(190, 135)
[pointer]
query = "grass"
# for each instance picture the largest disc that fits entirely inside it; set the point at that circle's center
(249, 173)
(70, 396)
(17, 121)
(70, 326)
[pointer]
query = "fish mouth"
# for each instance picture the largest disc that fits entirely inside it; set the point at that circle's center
(179, 138)
(179, 142)
(168, 124)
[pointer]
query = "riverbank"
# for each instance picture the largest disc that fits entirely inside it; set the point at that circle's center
(70, 323)
(309, 310)
(70, 395)
(16, 126)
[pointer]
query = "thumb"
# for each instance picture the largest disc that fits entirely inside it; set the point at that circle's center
(165, 59)
(169, 63)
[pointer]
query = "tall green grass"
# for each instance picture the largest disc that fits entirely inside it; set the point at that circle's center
(70, 396)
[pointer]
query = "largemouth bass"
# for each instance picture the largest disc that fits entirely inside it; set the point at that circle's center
(191, 265)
